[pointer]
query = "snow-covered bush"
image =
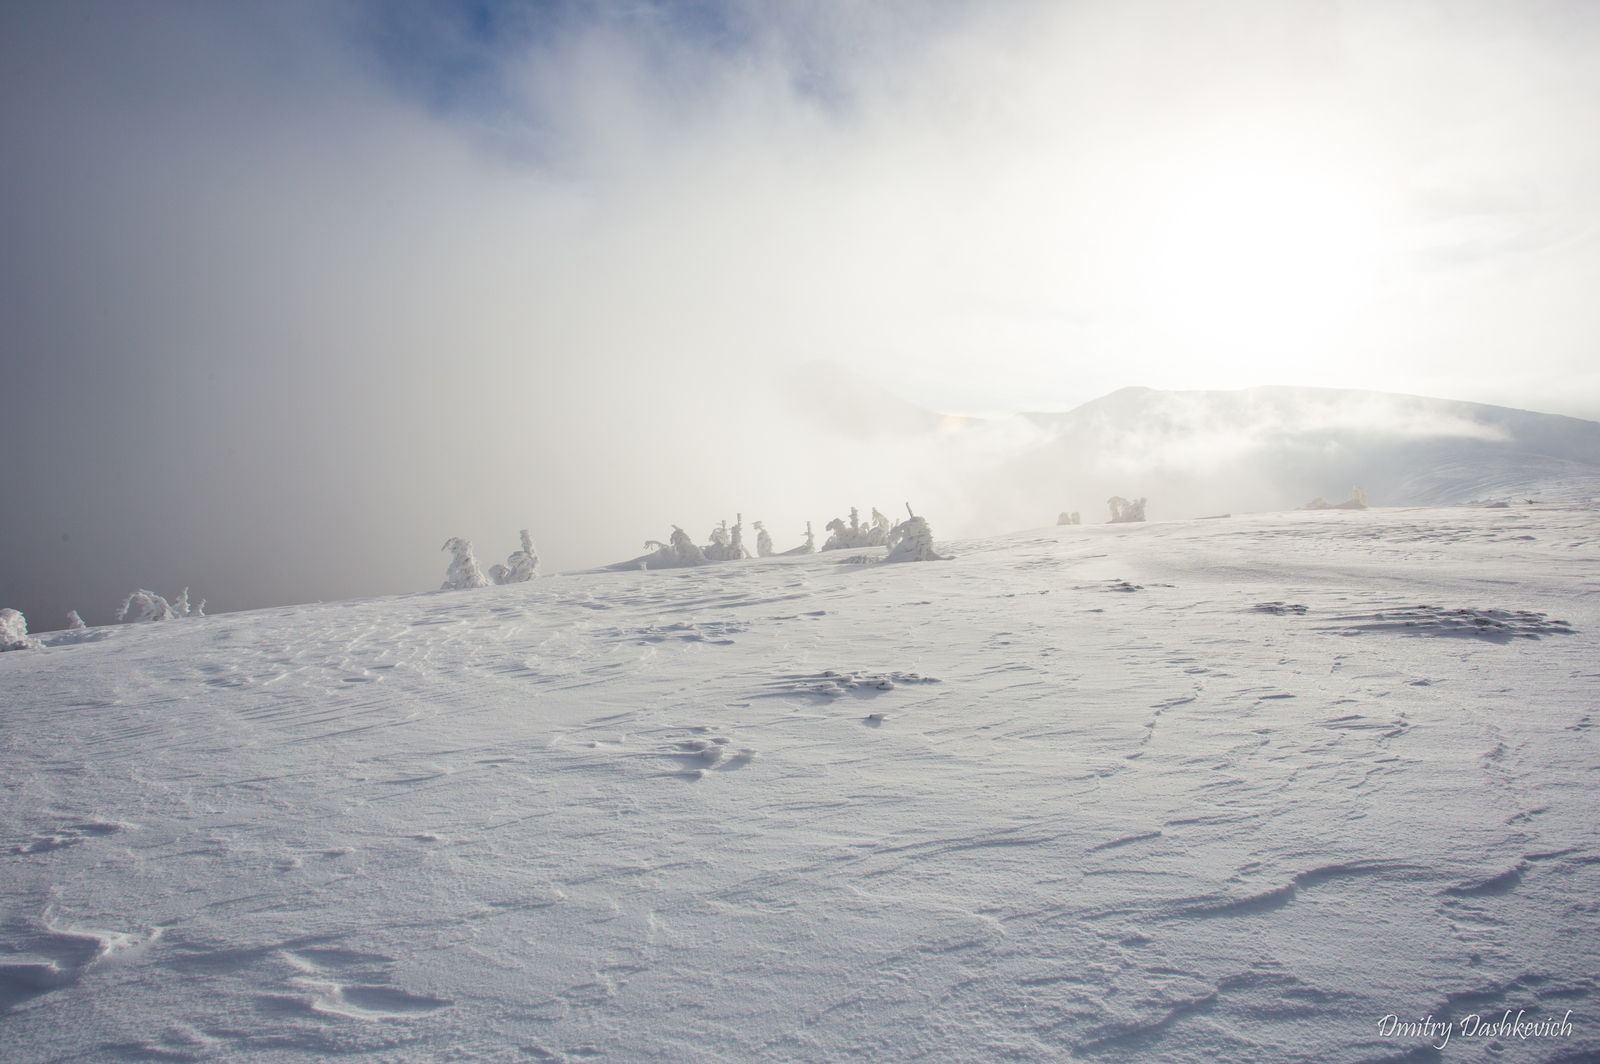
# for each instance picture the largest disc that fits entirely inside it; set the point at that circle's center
(685, 549)
(521, 566)
(463, 572)
(856, 534)
(809, 546)
(878, 534)
(1123, 511)
(763, 540)
(14, 632)
(727, 544)
(913, 541)
(679, 552)
(736, 549)
(719, 549)
(75, 623)
(152, 607)
(1356, 501)
(1072, 518)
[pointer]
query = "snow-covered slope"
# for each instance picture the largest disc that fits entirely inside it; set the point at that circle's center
(1233, 789)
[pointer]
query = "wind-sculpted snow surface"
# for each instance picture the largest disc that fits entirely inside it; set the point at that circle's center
(1216, 790)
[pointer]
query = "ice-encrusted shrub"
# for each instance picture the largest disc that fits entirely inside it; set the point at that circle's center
(463, 572)
(727, 545)
(878, 534)
(856, 534)
(719, 542)
(1356, 501)
(809, 546)
(521, 566)
(736, 548)
(913, 541)
(152, 607)
(14, 632)
(1123, 511)
(679, 552)
(763, 540)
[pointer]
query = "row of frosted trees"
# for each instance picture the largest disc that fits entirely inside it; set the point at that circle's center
(909, 540)
(520, 567)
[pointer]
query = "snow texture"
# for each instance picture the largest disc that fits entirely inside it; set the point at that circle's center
(463, 572)
(1188, 791)
(521, 566)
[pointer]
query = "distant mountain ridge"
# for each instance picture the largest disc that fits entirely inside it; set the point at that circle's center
(1196, 453)
(1290, 442)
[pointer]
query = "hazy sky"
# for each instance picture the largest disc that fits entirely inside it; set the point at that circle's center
(293, 292)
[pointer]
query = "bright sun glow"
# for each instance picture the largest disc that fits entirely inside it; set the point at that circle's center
(1258, 256)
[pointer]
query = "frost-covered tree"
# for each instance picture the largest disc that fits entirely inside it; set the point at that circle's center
(75, 623)
(14, 632)
(463, 572)
(808, 547)
(1072, 518)
(685, 548)
(152, 607)
(855, 534)
(763, 540)
(681, 550)
(913, 541)
(736, 548)
(521, 566)
(1356, 501)
(720, 549)
(878, 534)
(1123, 511)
